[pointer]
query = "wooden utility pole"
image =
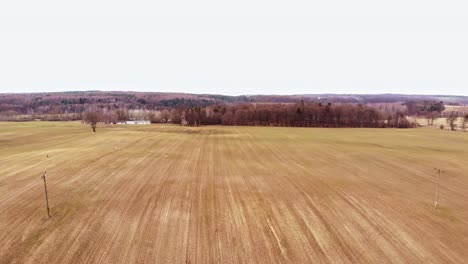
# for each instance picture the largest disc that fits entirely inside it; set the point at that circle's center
(436, 201)
(45, 189)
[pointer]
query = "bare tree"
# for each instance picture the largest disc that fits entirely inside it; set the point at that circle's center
(430, 117)
(122, 115)
(153, 118)
(165, 116)
(451, 119)
(109, 117)
(92, 117)
(176, 116)
(464, 123)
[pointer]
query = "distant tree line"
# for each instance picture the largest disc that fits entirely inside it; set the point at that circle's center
(424, 107)
(273, 114)
(72, 105)
(193, 110)
(295, 115)
(252, 114)
(66, 106)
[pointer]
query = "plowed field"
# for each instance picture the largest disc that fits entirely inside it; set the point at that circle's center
(171, 194)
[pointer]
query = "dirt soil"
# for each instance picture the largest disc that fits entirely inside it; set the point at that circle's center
(171, 194)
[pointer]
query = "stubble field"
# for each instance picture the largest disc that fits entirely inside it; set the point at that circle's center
(171, 194)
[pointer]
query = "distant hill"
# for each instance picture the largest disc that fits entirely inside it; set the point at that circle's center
(78, 101)
(362, 98)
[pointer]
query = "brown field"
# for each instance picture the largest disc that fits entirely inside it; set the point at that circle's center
(170, 194)
(459, 108)
(438, 122)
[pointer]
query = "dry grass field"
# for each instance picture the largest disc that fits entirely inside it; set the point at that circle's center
(171, 194)
(437, 123)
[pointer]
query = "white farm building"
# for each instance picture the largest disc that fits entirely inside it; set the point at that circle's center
(135, 122)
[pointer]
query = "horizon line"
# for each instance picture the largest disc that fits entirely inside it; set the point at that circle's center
(272, 94)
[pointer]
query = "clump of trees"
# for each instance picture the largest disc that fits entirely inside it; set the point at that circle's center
(122, 115)
(153, 118)
(464, 123)
(96, 115)
(295, 115)
(163, 116)
(451, 120)
(424, 107)
(176, 116)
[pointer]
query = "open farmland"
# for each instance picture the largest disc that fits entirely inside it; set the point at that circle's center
(172, 194)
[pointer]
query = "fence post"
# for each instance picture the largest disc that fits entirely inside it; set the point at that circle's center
(45, 189)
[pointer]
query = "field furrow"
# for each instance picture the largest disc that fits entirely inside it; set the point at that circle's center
(171, 194)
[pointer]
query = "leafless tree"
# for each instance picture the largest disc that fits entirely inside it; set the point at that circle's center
(91, 117)
(122, 115)
(165, 116)
(451, 120)
(176, 116)
(464, 123)
(430, 117)
(153, 118)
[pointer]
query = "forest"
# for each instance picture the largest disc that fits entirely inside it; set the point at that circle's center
(300, 114)
(205, 109)
(297, 115)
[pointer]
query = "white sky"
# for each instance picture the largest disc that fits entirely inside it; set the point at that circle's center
(235, 47)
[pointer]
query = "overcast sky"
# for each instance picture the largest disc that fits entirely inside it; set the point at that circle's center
(235, 47)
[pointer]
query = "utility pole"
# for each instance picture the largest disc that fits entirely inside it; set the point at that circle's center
(45, 189)
(436, 201)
